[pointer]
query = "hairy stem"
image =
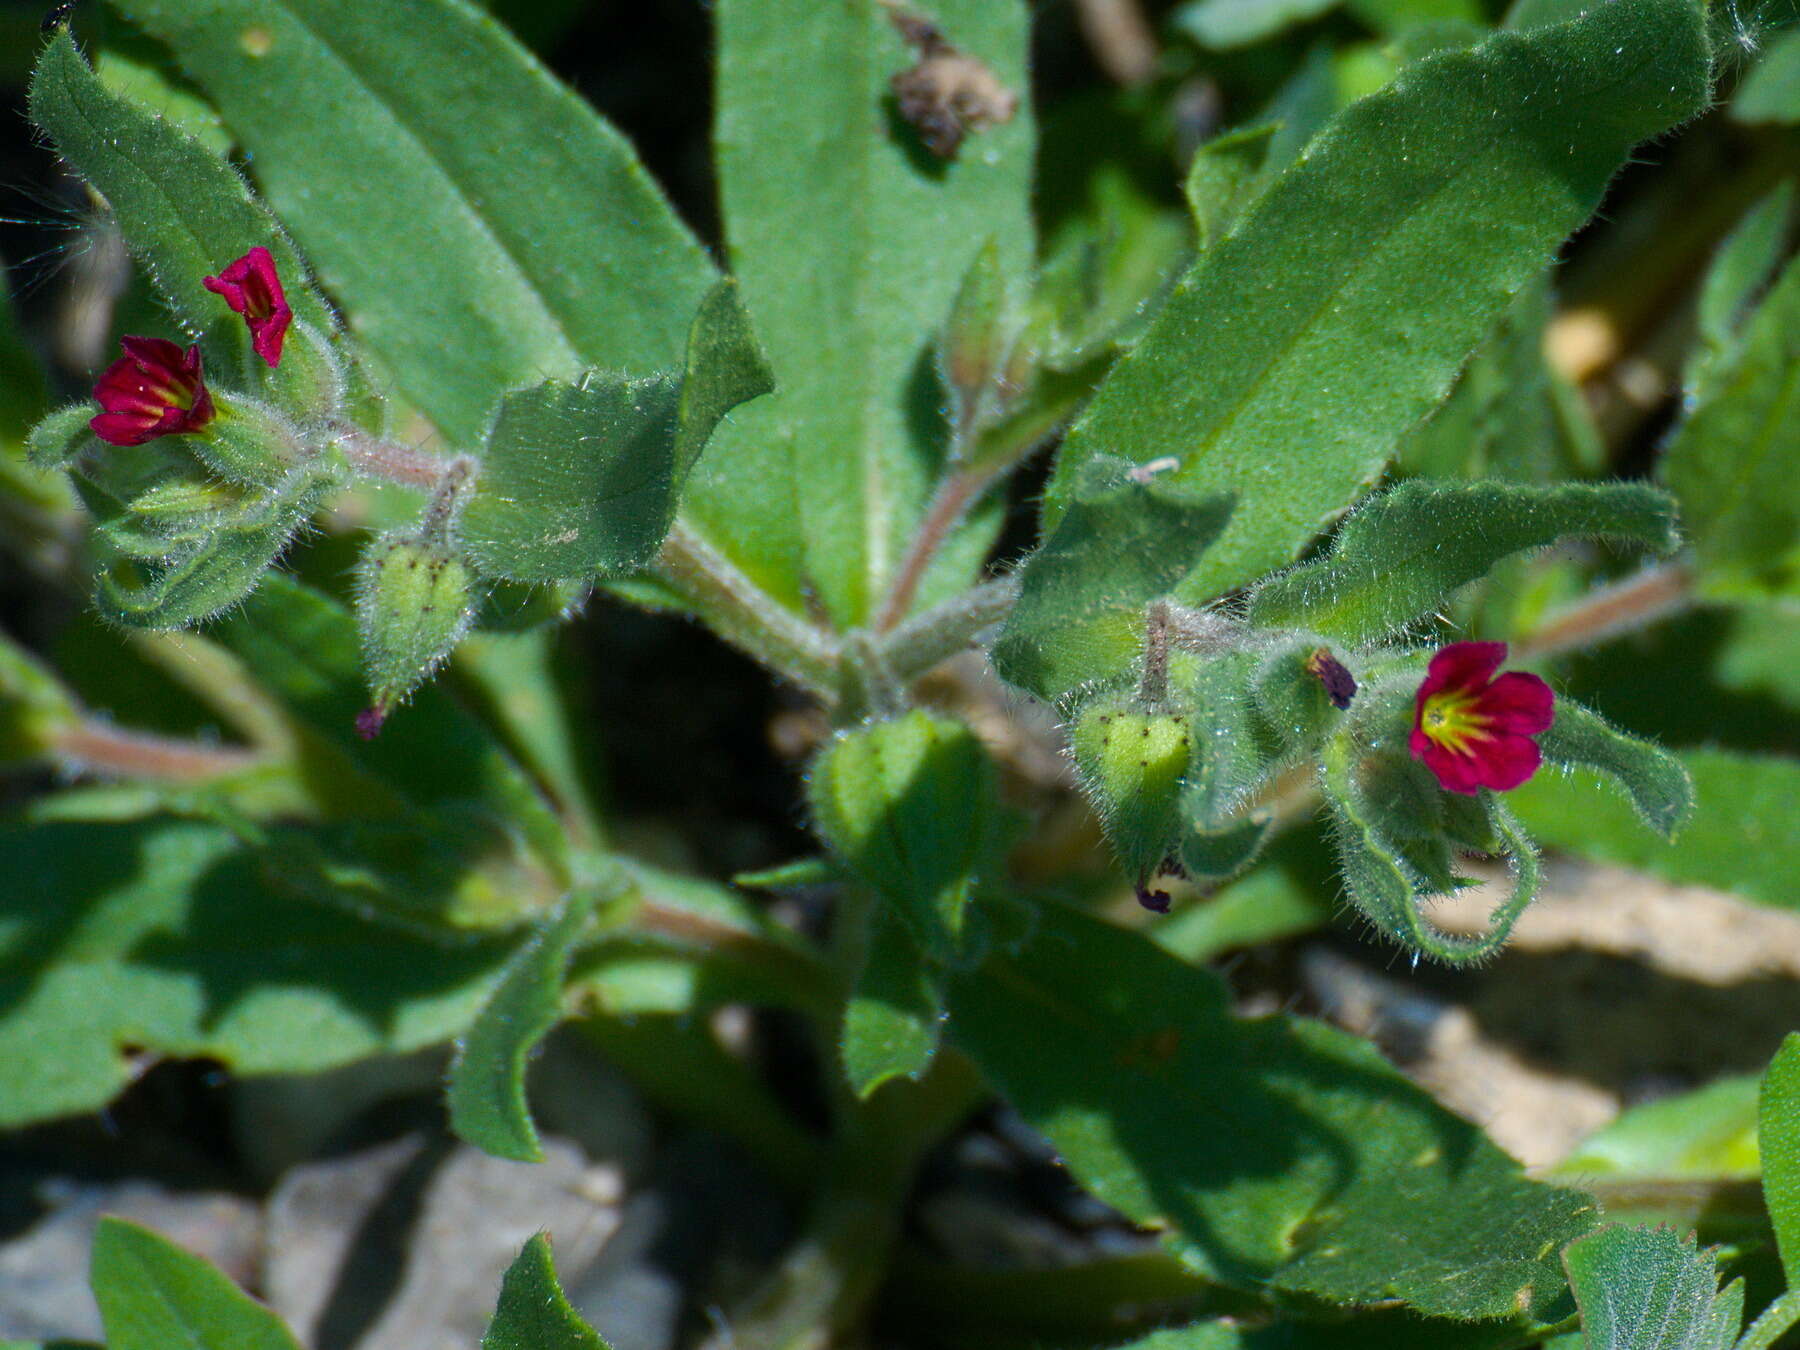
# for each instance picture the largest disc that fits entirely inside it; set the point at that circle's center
(393, 462)
(928, 639)
(1636, 602)
(97, 747)
(747, 616)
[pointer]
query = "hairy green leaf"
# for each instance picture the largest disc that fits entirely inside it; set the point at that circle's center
(1738, 838)
(184, 211)
(550, 251)
(1387, 250)
(583, 478)
(1651, 1289)
(163, 937)
(1126, 539)
(850, 279)
(534, 1313)
(487, 1079)
(895, 1014)
(1778, 1140)
(910, 807)
(1655, 780)
(1279, 1150)
(155, 1296)
(1224, 179)
(1404, 552)
(1731, 464)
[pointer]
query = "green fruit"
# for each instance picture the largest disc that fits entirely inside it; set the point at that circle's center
(1132, 765)
(413, 605)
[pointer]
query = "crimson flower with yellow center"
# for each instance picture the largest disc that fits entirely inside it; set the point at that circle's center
(155, 389)
(252, 287)
(1474, 731)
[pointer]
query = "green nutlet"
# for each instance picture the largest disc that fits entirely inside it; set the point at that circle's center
(1132, 764)
(414, 602)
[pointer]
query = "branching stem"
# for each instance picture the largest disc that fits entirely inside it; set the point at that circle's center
(97, 747)
(393, 462)
(747, 616)
(955, 495)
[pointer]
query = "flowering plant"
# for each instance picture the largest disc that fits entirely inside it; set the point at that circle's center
(1134, 577)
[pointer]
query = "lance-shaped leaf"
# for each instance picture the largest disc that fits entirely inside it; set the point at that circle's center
(819, 489)
(534, 1313)
(1651, 1289)
(153, 1295)
(1277, 1150)
(140, 935)
(184, 211)
(895, 1016)
(1659, 787)
(909, 806)
(1778, 1140)
(1286, 367)
(1405, 551)
(1732, 462)
(1734, 840)
(551, 251)
(583, 478)
(487, 1079)
(1127, 539)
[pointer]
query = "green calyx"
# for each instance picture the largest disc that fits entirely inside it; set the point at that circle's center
(1133, 762)
(415, 599)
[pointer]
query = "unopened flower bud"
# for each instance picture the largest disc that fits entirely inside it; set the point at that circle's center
(413, 605)
(1132, 763)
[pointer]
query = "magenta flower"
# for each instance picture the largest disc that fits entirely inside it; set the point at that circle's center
(252, 288)
(154, 390)
(1474, 731)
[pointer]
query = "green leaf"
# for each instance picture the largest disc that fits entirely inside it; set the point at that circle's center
(165, 938)
(1651, 1289)
(1225, 178)
(155, 1296)
(1771, 91)
(895, 1015)
(1388, 249)
(583, 478)
(1222, 25)
(1706, 1134)
(1778, 1139)
(1731, 464)
(910, 807)
(1278, 1149)
(35, 706)
(1405, 551)
(487, 1079)
(1738, 839)
(850, 280)
(1125, 540)
(184, 211)
(1740, 273)
(534, 1313)
(551, 252)
(1657, 783)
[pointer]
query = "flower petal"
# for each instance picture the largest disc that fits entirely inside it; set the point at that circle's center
(1505, 761)
(1520, 703)
(1456, 771)
(1462, 665)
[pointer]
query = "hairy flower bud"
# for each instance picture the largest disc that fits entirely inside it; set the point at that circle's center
(1132, 764)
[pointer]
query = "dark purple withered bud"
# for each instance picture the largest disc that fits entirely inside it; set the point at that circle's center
(1340, 684)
